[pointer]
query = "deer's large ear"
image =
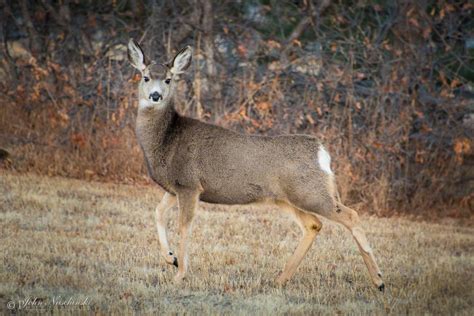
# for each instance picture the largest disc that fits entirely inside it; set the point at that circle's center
(135, 55)
(181, 61)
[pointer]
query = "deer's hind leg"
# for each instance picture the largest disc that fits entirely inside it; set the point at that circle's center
(350, 219)
(310, 226)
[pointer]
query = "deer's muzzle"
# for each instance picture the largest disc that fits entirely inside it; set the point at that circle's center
(155, 96)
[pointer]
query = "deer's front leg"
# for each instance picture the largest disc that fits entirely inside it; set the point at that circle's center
(187, 203)
(167, 202)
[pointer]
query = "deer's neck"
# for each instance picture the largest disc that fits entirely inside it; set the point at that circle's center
(154, 128)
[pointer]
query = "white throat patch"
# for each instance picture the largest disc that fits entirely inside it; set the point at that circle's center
(144, 104)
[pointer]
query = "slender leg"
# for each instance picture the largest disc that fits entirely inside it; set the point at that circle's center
(350, 219)
(310, 226)
(167, 202)
(187, 203)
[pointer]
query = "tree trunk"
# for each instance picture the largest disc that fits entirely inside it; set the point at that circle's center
(214, 95)
(33, 35)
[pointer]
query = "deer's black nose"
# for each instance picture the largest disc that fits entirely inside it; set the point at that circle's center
(155, 96)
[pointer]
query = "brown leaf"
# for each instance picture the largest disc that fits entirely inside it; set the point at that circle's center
(455, 83)
(297, 42)
(89, 173)
(242, 50)
(414, 22)
(69, 90)
(319, 111)
(442, 14)
(450, 8)
(264, 106)
(273, 44)
(462, 146)
(54, 66)
(427, 32)
(63, 117)
(79, 139)
(99, 88)
(377, 145)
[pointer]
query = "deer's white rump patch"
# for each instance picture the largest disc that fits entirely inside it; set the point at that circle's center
(324, 160)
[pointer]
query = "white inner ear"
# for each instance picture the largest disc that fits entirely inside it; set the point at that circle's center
(182, 61)
(136, 56)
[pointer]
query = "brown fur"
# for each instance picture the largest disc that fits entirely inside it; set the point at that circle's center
(228, 167)
(195, 161)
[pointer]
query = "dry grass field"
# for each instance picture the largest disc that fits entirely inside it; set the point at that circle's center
(63, 238)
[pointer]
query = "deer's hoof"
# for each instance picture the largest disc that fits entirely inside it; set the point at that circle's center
(170, 258)
(382, 287)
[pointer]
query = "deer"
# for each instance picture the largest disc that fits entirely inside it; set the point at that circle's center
(195, 161)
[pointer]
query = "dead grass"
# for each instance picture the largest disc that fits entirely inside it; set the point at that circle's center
(77, 239)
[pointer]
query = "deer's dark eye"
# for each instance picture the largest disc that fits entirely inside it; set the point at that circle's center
(167, 81)
(146, 79)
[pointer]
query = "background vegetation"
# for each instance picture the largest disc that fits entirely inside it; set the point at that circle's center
(388, 85)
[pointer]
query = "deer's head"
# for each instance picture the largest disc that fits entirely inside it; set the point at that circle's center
(158, 80)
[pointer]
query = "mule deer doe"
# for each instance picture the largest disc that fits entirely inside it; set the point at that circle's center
(194, 161)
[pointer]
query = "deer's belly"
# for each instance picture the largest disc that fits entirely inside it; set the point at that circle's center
(247, 193)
